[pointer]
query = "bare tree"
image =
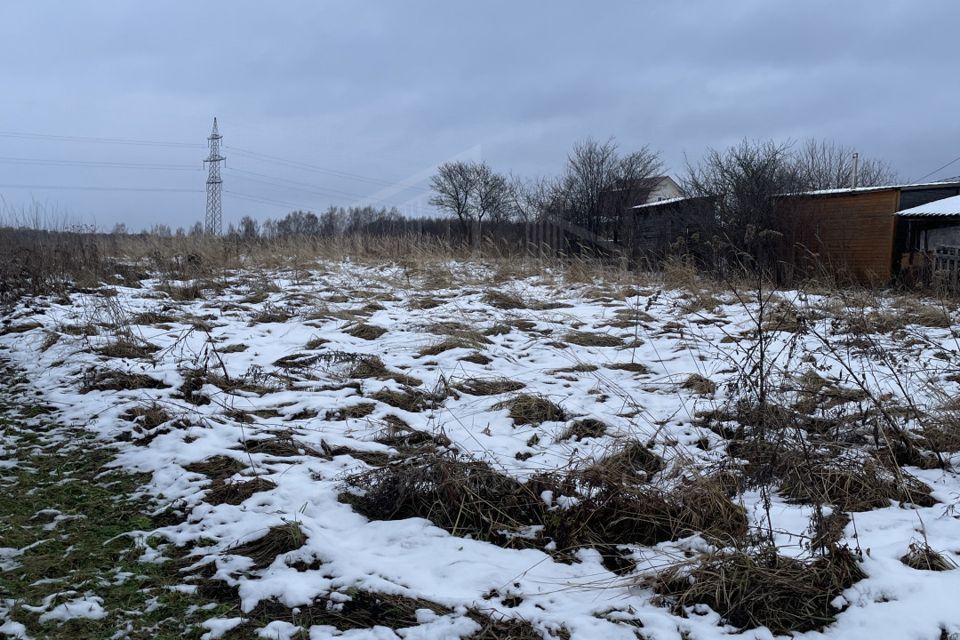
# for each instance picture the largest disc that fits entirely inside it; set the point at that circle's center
(741, 184)
(822, 164)
(473, 192)
(249, 228)
(492, 194)
(531, 199)
(453, 191)
(599, 185)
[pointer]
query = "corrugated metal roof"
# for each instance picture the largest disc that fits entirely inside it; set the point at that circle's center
(938, 208)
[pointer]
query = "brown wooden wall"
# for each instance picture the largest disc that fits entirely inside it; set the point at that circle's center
(848, 234)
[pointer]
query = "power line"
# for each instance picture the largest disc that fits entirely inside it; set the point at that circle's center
(938, 170)
(280, 203)
(126, 141)
(95, 163)
(90, 188)
(312, 167)
(285, 183)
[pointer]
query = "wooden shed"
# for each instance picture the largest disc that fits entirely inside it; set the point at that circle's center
(854, 232)
(654, 230)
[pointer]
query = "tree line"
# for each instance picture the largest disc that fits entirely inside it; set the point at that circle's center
(594, 193)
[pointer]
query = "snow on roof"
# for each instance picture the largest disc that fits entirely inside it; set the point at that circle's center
(903, 187)
(661, 202)
(944, 207)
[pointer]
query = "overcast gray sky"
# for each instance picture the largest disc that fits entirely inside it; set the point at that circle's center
(371, 93)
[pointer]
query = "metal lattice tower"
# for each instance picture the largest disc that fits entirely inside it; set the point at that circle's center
(214, 222)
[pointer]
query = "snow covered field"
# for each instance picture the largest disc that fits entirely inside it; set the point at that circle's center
(266, 407)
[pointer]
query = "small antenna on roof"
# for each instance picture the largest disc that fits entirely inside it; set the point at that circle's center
(856, 169)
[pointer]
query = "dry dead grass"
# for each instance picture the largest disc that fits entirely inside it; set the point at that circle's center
(699, 384)
(128, 349)
(409, 399)
(632, 367)
(584, 428)
(922, 557)
(449, 343)
(275, 542)
(217, 468)
(281, 445)
(365, 331)
(114, 380)
(477, 358)
(532, 409)
(270, 314)
(367, 367)
(235, 493)
(487, 386)
(349, 610)
(590, 339)
(762, 589)
(467, 497)
(353, 412)
(504, 300)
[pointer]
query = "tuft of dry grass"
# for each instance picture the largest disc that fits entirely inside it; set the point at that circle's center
(503, 300)
(584, 428)
(275, 542)
(590, 339)
(22, 327)
(400, 435)
(217, 468)
(477, 358)
(762, 589)
(128, 349)
(348, 610)
(148, 416)
(153, 317)
(270, 314)
(629, 464)
(367, 367)
(501, 628)
(532, 409)
(633, 367)
(408, 399)
(850, 485)
(365, 331)
(280, 446)
(487, 386)
(449, 343)
(315, 343)
(354, 412)
(235, 493)
(425, 302)
(112, 380)
(922, 557)
(467, 497)
(699, 384)
(297, 361)
(182, 293)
